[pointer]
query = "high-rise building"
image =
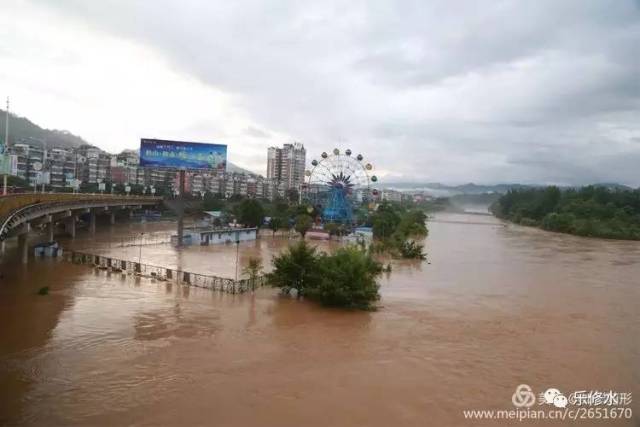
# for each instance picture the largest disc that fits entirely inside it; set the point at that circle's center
(94, 164)
(286, 165)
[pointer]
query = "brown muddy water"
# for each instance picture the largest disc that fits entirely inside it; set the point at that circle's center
(498, 305)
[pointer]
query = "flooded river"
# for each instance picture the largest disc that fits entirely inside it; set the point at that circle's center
(496, 306)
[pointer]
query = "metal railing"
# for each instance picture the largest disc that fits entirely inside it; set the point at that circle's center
(188, 278)
(147, 239)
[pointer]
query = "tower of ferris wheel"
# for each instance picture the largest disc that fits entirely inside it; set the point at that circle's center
(337, 182)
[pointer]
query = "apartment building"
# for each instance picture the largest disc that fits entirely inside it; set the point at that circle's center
(286, 165)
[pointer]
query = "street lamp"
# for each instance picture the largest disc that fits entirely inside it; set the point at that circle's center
(237, 252)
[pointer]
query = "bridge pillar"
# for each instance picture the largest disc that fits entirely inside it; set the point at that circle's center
(112, 217)
(92, 221)
(51, 230)
(23, 242)
(70, 226)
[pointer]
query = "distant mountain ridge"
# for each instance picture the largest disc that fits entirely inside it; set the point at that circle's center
(23, 130)
(470, 188)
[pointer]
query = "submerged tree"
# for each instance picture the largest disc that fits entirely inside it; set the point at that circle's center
(251, 213)
(303, 224)
(296, 268)
(346, 278)
(411, 249)
(253, 268)
(276, 223)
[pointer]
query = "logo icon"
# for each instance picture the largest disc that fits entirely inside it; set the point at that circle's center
(550, 394)
(523, 397)
(554, 397)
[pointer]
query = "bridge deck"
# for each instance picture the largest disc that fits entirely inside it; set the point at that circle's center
(15, 208)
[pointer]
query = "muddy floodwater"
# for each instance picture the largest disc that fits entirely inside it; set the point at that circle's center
(496, 306)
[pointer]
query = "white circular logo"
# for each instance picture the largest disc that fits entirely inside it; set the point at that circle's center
(551, 394)
(560, 401)
(523, 397)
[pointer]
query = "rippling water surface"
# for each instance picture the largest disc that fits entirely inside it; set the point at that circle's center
(496, 306)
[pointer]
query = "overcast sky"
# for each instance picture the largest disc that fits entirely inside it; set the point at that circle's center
(451, 91)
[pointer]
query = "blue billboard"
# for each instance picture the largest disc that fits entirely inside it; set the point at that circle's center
(160, 153)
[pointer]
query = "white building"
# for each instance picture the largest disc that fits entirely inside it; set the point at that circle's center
(286, 165)
(391, 195)
(213, 236)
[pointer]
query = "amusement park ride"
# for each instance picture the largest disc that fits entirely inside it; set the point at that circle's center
(338, 183)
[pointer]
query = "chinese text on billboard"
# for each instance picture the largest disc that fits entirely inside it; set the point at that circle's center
(182, 155)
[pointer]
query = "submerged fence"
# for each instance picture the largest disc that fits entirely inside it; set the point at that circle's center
(211, 282)
(147, 239)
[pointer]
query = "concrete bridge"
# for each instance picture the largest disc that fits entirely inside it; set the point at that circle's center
(20, 212)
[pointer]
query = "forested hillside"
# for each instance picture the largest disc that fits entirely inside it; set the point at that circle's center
(22, 129)
(593, 211)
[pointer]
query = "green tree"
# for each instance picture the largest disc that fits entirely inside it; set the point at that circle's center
(17, 182)
(385, 220)
(253, 268)
(292, 195)
(296, 268)
(594, 211)
(331, 228)
(303, 224)
(347, 279)
(412, 224)
(250, 213)
(212, 202)
(412, 250)
(276, 223)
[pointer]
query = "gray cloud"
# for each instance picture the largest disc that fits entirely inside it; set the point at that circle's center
(258, 133)
(538, 91)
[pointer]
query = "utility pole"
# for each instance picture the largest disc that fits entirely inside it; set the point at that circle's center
(180, 200)
(237, 252)
(140, 251)
(6, 147)
(44, 163)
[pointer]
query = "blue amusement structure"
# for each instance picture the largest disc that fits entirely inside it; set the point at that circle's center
(338, 182)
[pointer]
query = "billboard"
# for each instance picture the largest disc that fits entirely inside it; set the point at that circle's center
(9, 164)
(160, 153)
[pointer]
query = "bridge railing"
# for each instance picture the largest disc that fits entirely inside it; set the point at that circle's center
(206, 281)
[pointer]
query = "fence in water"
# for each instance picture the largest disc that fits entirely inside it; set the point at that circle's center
(146, 239)
(206, 281)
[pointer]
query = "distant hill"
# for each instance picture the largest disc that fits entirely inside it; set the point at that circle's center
(613, 186)
(439, 189)
(23, 130)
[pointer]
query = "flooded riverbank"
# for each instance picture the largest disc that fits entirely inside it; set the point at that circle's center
(498, 305)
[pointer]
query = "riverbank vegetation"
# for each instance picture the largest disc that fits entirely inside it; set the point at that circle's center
(395, 229)
(346, 278)
(591, 211)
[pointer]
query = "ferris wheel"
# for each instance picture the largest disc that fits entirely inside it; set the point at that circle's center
(339, 181)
